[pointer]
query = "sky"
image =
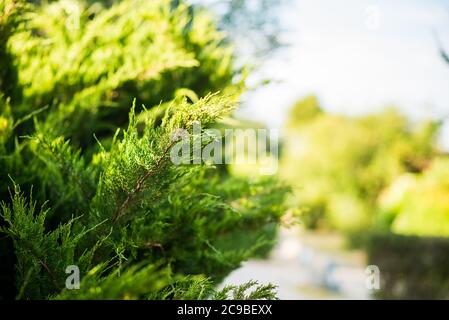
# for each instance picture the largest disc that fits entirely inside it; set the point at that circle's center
(358, 56)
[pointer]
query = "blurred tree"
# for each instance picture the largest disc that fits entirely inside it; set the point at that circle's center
(304, 111)
(419, 204)
(341, 164)
(254, 24)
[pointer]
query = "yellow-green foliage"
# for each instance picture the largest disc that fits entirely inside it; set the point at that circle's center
(89, 62)
(340, 164)
(422, 208)
(303, 111)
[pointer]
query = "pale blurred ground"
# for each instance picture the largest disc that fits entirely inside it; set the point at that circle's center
(308, 266)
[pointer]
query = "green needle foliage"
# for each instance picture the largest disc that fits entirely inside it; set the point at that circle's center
(87, 181)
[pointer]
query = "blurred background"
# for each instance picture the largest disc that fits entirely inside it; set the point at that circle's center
(360, 93)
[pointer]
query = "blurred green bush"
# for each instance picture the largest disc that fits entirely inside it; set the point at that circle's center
(421, 205)
(343, 167)
(383, 182)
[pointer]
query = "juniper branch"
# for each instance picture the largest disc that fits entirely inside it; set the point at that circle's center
(140, 183)
(67, 169)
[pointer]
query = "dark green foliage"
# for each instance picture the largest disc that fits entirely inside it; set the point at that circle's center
(42, 256)
(10, 19)
(410, 267)
(134, 282)
(193, 288)
(111, 200)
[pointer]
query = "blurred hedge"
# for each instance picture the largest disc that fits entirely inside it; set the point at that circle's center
(410, 267)
(419, 204)
(340, 165)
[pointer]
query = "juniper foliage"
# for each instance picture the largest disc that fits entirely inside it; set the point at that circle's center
(87, 181)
